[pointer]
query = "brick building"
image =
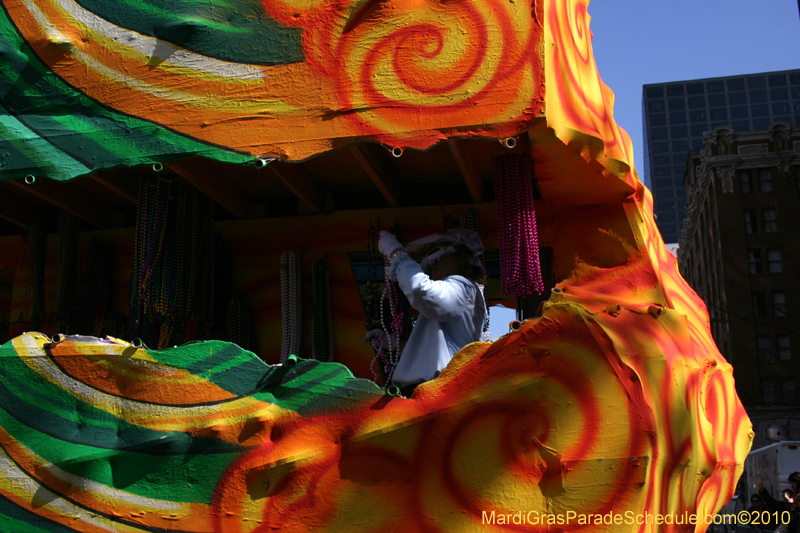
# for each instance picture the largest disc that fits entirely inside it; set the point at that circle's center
(740, 250)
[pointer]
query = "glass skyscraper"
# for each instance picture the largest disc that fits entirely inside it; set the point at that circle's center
(676, 114)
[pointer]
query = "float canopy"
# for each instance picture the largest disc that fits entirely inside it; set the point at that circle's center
(94, 85)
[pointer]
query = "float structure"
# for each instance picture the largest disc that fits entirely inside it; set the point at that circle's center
(613, 400)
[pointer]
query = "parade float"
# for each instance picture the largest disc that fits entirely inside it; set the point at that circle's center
(247, 152)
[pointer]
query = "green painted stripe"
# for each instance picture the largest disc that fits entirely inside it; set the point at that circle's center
(18, 520)
(49, 409)
(74, 125)
(21, 147)
(239, 31)
(191, 477)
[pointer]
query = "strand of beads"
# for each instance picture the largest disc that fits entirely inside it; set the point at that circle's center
(521, 272)
(97, 290)
(67, 271)
(239, 324)
(291, 305)
(37, 248)
(471, 219)
(322, 320)
(394, 332)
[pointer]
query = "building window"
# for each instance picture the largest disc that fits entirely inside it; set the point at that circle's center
(659, 119)
(779, 303)
(658, 134)
(780, 108)
(759, 304)
(756, 82)
(655, 92)
(740, 112)
(661, 160)
(660, 148)
(680, 146)
(784, 347)
(758, 97)
(699, 115)
(677, 117)
(787, 386)
(736, 84)
(774, 260)
(679, 131)
(746, 182)
(695, 88)
(697, 102)
(765, 180)
(655, 105)
(675, 90)
(716, 100)
(740, 125)
(770, 221)
(761, 123)
(779, 94)
(719, 114)
(777, 80)
(676, 104)
(768, 391)
(754, 258)
(699, 129)
(716, 86)
(737, 98)
(750, 225)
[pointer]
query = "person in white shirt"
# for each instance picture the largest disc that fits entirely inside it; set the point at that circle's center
(446, 289)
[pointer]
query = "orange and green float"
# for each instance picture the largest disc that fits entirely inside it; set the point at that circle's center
(613, 410)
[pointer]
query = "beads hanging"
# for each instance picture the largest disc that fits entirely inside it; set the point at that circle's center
(67, 272)
(322, 318)
(386, 316)
(97, 289)
(37, 247)
(239, 324)
(173, 279)
(291, 305)
(470, 219)
(520, 270)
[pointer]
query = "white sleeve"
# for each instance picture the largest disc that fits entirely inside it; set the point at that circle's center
(440, 301)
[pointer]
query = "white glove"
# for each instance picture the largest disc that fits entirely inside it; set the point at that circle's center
(388, 244)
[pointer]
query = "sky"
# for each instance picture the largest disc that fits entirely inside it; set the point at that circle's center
(637, 42)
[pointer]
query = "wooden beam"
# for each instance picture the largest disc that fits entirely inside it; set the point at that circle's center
(378, 173)
(468, 170)
(301, 183)
(214, 184)
(69, 198)
(109, 184)
(15, 209)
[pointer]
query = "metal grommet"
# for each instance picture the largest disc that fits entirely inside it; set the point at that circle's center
(261, 163)
(396, 151)
(60, 337)
(137, 343)
(158, 167)
(393, 391)
(291, 361)
(509, 142)
(30, 179)
(515, 325)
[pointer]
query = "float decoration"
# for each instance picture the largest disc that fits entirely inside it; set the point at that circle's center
(615, 400)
